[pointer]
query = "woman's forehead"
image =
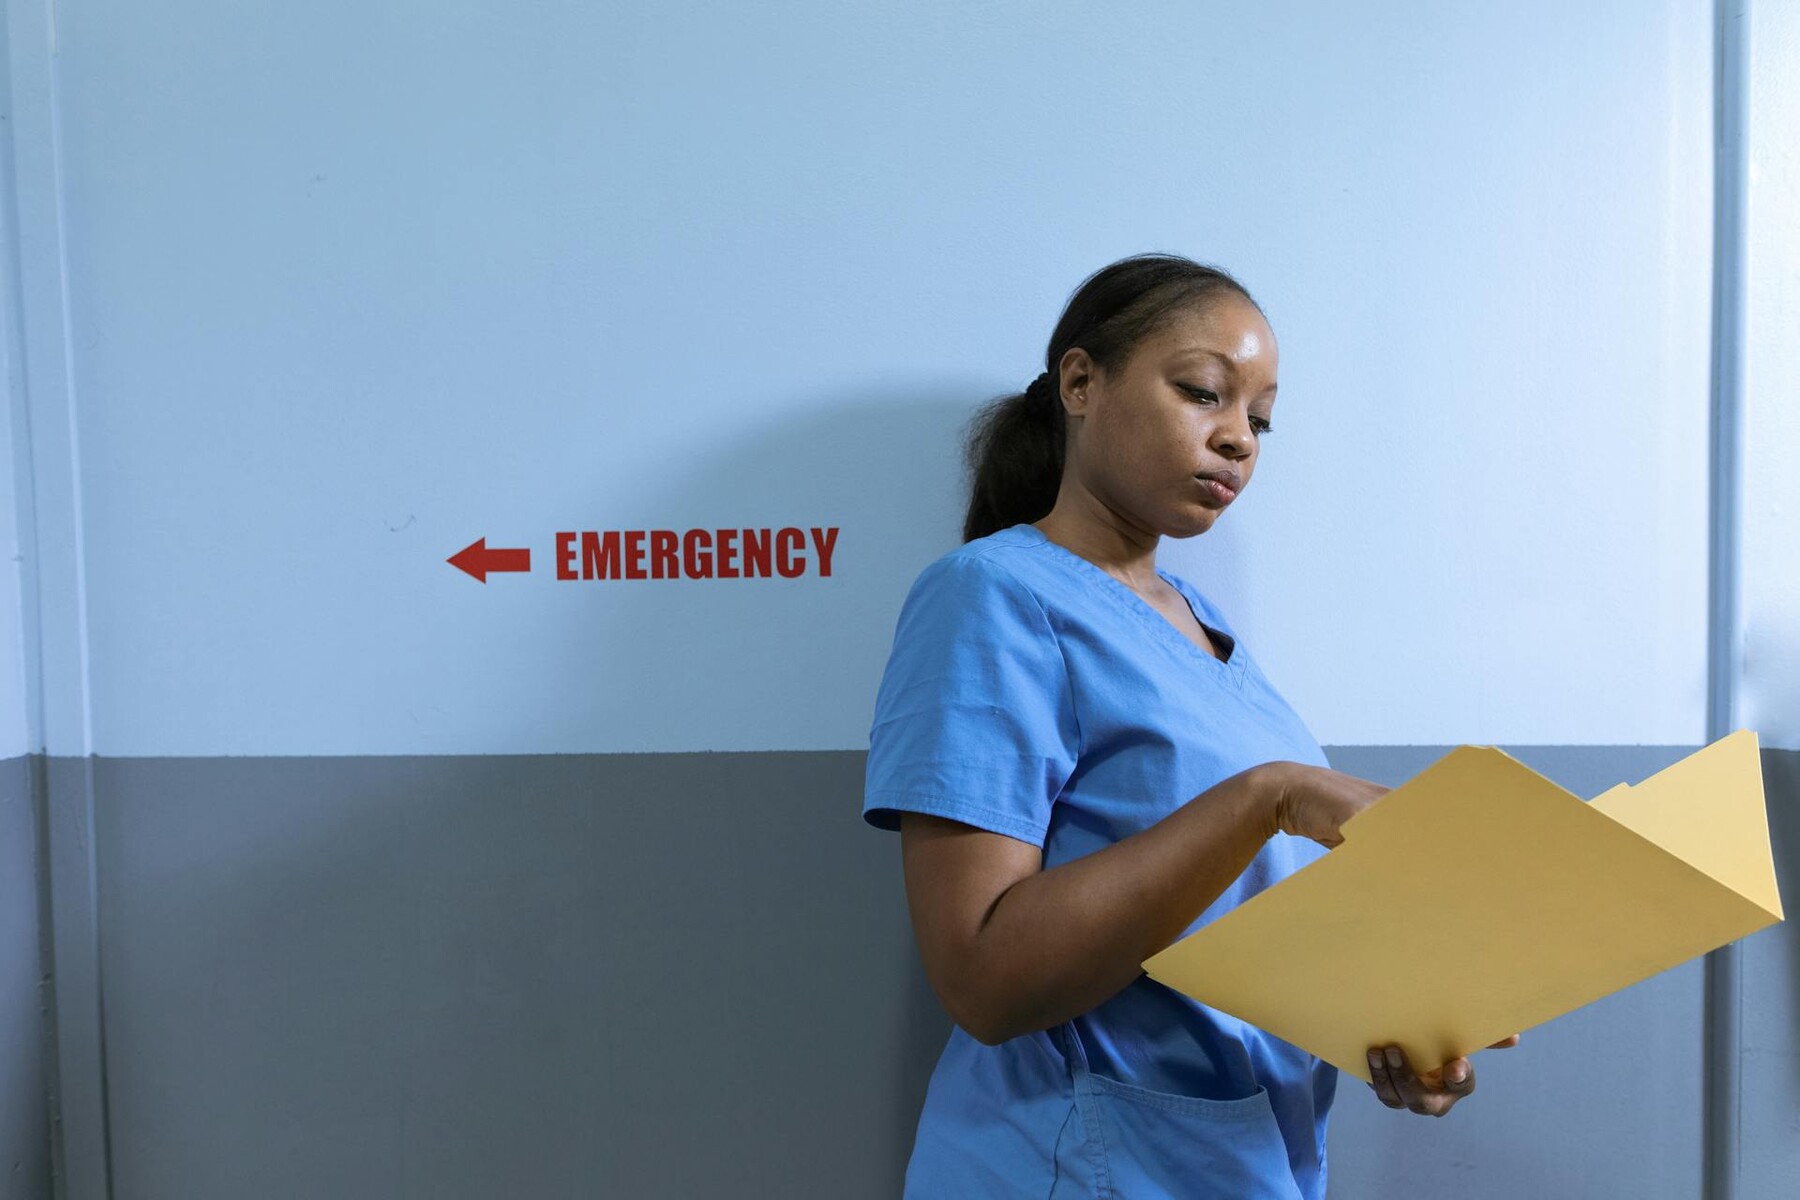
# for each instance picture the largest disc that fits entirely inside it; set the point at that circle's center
(1241, 341)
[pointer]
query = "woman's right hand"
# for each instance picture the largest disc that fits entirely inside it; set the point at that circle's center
(1314, 802)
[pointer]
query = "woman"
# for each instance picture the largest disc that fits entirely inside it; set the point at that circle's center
(1085, 764)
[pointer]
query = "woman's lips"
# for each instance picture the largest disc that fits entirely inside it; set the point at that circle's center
(1220, 493)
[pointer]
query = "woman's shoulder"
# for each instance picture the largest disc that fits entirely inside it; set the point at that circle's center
(1000, 560)
(985, 584)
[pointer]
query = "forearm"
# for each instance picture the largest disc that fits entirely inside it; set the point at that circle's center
(1061, 941)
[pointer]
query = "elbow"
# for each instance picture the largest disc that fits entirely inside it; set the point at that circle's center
(972, 1017)
(995, 1031)
(983, 1018)
(962, 1000)
(993, 1037)
(987, 1033)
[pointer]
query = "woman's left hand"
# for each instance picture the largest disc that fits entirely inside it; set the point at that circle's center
(1430, 1094)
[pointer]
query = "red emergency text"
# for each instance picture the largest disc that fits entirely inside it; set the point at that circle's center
(695, 554)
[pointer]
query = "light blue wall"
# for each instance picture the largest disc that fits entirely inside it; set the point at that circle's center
(340, 303)
(300, 300)
(14, 661)
(19, 730)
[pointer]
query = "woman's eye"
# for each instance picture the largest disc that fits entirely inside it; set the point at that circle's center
(1259, 424)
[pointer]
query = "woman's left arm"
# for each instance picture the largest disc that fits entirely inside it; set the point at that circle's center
(1430, 1094)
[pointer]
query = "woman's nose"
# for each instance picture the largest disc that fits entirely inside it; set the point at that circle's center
(1232, 435)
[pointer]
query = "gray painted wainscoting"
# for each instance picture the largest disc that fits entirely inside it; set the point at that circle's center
(25, 994)
(668, 975)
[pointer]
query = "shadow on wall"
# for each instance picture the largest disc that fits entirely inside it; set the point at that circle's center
(748, 664)
(759, 663)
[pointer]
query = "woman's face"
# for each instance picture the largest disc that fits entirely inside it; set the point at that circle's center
(1190, 402)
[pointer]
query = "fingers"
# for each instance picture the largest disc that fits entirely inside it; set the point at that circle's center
(1395, 1084)
(1458, 1079)
(1432, 1094)
(1412, 1091)
(1503, 1043)
(1386, 1090)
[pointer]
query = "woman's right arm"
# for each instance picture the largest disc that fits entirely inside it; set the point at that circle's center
(1011, 948)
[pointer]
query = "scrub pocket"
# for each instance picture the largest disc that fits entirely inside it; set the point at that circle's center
(1138, 1144)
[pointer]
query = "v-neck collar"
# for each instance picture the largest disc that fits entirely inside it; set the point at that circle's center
(1130, 602)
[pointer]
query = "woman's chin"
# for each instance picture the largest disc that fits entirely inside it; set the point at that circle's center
(1193, 524)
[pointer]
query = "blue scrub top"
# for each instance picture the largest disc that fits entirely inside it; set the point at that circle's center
(1030, 693)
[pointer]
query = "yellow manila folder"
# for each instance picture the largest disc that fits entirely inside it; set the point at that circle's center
(1479, 899)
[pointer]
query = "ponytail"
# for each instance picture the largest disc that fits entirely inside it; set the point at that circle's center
(1014, 456)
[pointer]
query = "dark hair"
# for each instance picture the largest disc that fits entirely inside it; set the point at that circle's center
(1014, 449)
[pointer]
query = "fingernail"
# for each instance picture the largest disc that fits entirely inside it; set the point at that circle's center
(1375, 1059)
(1393, 1056)
(1456, 1074)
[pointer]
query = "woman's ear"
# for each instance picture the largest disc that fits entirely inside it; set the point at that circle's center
(1077, 376)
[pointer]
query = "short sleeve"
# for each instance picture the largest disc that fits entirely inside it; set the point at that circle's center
(975, 717)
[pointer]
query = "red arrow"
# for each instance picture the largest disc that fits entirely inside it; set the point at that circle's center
(478, 560)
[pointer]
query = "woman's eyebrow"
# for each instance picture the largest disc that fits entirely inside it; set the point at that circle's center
(1196, 353)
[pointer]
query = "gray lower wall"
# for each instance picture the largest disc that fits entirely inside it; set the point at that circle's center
(24, 992)
(680, 975)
